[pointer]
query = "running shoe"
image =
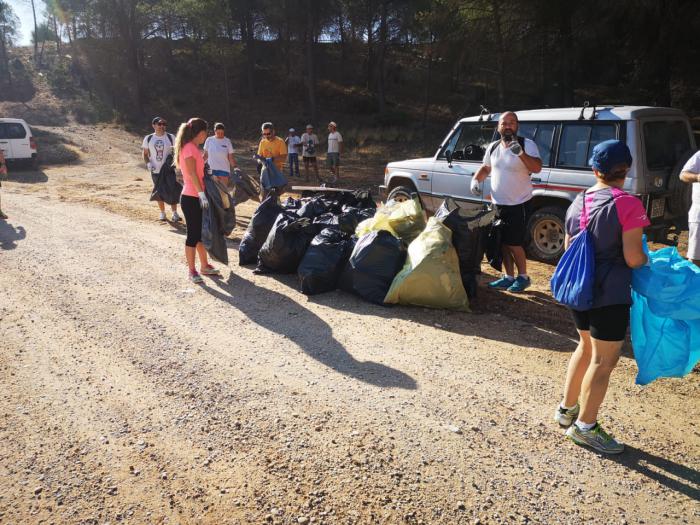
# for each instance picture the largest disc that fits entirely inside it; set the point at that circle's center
(520, 284)
(596, 438)
(196, 278)
(211, 271)
(566, 416)
(503, 283)
(162, 216)
(176, 217)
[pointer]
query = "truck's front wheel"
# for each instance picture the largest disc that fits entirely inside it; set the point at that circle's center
(401, 193)
(547, 232)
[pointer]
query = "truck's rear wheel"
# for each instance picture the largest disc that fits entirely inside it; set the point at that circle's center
(547, 232)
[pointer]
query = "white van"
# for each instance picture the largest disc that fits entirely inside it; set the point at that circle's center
(660, 140)
(16, 141)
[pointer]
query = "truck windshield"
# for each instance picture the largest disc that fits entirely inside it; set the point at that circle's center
(469, 141)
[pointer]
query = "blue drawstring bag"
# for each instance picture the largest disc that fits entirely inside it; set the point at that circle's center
(665, 316)
(270, 176)
(573, 282)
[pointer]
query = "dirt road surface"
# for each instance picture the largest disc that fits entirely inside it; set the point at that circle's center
(132, 396)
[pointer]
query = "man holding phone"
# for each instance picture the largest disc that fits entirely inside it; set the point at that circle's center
(510, 161)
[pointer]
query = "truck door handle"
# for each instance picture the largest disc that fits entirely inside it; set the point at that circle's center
(536, 179)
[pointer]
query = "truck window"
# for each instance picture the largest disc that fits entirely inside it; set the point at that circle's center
(664, 143)
(12, 130)
(542, 133)
(469, 141)
(578, 140)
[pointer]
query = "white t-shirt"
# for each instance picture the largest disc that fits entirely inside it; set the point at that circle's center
(158, 149)
(510, 178)
(334, 139)
(693, 166)
(305, 138)
(292, 143)
(217, 153)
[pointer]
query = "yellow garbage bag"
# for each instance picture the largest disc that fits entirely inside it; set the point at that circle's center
(430, 277)
(404, 220)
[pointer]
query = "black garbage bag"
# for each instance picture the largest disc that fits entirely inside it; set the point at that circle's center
(350, 217)
(363, 199)
(492, 245)
(258, 229)
(468, 225)
(286, 244)
(375, 260)
(324, 261)
(292, 204)
(166, 188)
(315, 207)
(218, 220)
(245, 187)
(328, 220)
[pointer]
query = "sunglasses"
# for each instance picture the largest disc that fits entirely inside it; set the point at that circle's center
(161, 124)
(267, 134)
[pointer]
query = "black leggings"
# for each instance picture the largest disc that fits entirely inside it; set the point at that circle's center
(607, 323)
(193, 218)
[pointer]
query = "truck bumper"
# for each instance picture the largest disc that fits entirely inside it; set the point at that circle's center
(383, 193)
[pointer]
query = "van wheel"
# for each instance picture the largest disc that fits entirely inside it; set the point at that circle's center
(547, 232)
(401, 193)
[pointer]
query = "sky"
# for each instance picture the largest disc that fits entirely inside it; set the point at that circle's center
(23, 10)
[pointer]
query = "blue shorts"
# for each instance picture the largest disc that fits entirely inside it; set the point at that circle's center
(220, 173)
(333, 159)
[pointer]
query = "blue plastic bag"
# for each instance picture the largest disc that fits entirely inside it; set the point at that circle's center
(665, 316)
(270, 176)
(573, 281)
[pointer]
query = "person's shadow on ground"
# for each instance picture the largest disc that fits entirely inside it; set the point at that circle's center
(661, 470)
(10, 234)
(282, 315)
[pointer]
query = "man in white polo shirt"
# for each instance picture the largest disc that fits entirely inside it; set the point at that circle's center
(691, 175)
(510, 161)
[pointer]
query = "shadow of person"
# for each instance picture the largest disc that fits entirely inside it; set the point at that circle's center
(24, 175)
(674, 476)
(282, 315)
(9, 234)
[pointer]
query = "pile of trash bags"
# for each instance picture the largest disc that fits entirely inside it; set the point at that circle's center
(386, 255)
(665, 316)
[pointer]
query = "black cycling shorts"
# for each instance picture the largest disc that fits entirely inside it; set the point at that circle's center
(514, 223)
(607, 323)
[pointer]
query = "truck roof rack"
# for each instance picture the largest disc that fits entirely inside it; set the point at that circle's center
(484, 111)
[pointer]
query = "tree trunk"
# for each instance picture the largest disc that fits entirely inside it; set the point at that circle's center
(248, 37)
(500, 52)
(131, 36)
(310, 59)
(383, 30)
(36, 31)
(58, 38)
(370, 52)
(428, 80)
(5, 59)
(566, 90)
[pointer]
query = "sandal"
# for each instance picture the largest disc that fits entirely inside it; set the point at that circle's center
(196, 278)
(211, 271)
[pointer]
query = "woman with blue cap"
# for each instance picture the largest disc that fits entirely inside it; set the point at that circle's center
(615, 220)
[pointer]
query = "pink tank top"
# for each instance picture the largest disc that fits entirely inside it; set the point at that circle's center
(189, 150)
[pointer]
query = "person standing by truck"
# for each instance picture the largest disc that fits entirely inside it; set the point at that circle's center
(510, 161)
(3, 173)
(690, 174)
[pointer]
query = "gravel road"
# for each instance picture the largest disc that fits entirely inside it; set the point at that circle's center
(131, 396)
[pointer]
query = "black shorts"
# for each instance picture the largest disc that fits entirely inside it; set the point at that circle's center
(514, 223)
(607, 323)
(309, 160)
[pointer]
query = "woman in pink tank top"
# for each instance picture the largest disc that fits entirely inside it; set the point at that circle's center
(193, 200)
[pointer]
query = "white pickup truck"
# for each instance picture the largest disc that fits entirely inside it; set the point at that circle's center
(660, 140)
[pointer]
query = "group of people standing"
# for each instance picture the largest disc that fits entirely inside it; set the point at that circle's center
(309, 142)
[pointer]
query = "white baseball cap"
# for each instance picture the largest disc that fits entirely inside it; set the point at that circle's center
(292, 130)
(331, 123)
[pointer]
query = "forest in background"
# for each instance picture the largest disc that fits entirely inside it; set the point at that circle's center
(389, 64)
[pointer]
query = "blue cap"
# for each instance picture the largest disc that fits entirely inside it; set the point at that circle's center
(606, 155)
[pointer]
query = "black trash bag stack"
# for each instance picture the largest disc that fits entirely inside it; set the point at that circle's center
(166, 188)
(245, 187)
(286, 244)
(258, 229)
(468, 228)
(350, 217)
(292, 204)
(328, 220)
(218, 220)
(320, 269)
(361, 199)
(315, 207)
(375, 260)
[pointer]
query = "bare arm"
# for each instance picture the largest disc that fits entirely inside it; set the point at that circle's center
(146, 155)
(632, 248)
(192, 168)
(690, 177)
(482, 172)
(205, 155)
(232, 161)
(567, 241)
(533, 164)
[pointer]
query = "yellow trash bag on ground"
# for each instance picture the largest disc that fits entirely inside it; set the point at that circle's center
(430, 277)
(404, 220)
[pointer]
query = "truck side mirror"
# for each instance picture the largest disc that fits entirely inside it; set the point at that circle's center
(448, 156)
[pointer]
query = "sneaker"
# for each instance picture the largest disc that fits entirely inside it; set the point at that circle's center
(3, 216)
(162, 217)
(176, 217)
(196, 278)
(520, 284)
(211, 271)
(566, 416)
(503, 283)
(596, 438)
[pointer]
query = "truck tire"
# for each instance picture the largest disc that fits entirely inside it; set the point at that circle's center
(546, 231)
(401, 193)
(681, 193)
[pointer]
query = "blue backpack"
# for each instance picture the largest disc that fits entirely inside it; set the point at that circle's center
(573, 282)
